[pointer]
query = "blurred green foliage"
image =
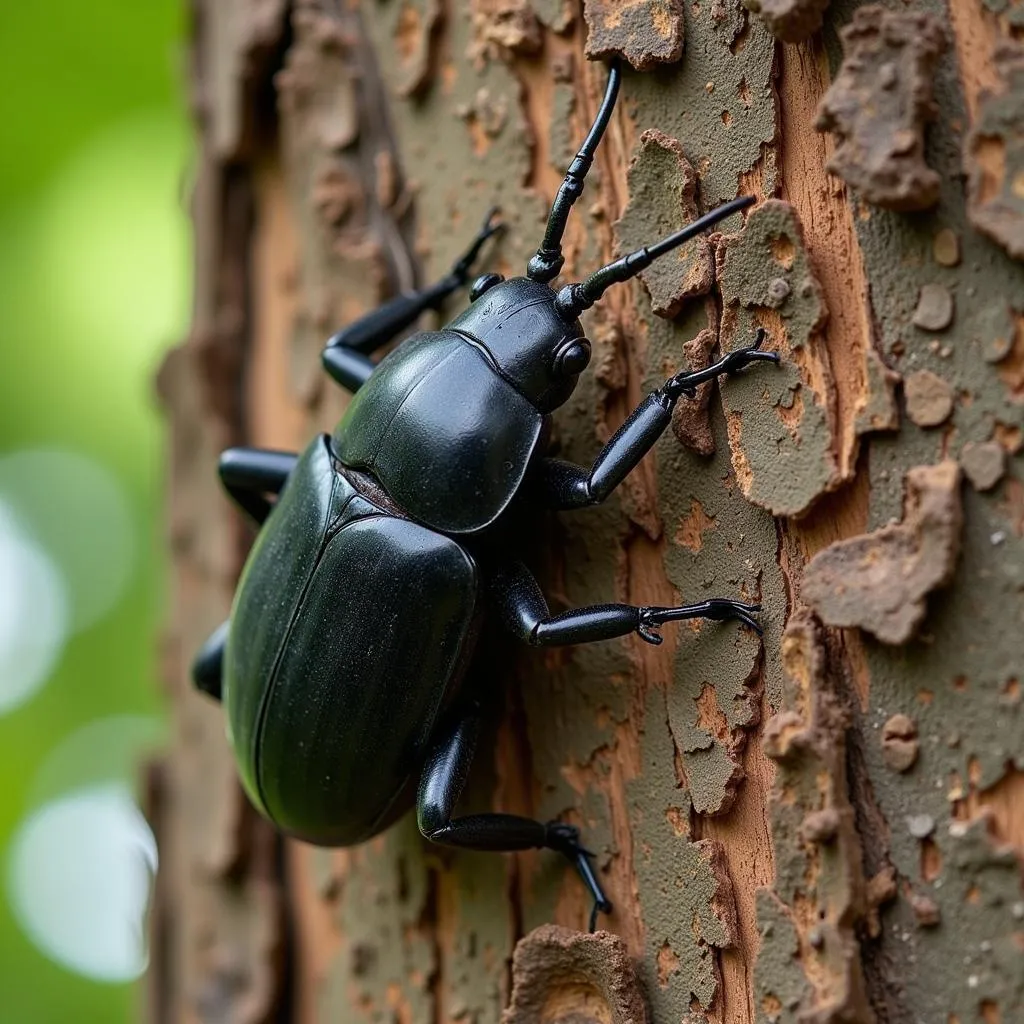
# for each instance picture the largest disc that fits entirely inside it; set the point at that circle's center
(94, 269)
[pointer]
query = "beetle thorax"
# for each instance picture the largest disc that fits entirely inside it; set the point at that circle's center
(515, 322)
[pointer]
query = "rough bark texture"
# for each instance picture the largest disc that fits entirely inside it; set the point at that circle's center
(819, 828)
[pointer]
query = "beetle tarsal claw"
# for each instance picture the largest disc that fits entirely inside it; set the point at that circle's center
(566, 840)
(718, 609)
(736, 361)
(645, 627)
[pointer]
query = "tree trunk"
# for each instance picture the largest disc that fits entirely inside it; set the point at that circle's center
(824, 826)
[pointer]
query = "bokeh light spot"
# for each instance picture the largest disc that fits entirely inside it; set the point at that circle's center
(79, 880)
(116, 249)
(77, 511)
(104, 750)
(33, 613)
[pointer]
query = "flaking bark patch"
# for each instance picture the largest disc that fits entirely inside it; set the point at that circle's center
(711, 723)
(325, 134)
(644, 32)
(388, 952)
(413, 24)
(662, 199)
(781, 419)
(233, 49)
(503, 26)
(981, 907)
(879, 103)
(878, 409)
(809, 967)
(994, 156)
(879, 581)
(685, 892)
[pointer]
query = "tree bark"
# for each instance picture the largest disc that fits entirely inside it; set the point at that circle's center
(825, 826)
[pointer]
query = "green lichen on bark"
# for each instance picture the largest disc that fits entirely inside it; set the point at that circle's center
(677, 887)
(728, 120)
(662, 187)
(782, 423)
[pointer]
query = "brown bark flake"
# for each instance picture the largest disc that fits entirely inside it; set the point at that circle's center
(900, 745)
(879, 103)
(644, 32)
(564, 977)
(233, 45)
(994, 155)
(934, 308)
(877, 409)
(504, 26)
(929, 398)
(413, 27)
(789, 20)
(691, 418)
(984, 463)
(879, 581)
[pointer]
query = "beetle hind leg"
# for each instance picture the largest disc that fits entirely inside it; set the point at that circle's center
(440, 788)
(208, 666)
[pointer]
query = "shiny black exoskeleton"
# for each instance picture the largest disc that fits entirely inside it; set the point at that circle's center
(343, 667)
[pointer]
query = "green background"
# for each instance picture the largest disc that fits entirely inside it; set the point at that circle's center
(94, 271)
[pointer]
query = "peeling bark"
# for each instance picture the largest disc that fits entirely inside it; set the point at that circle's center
(879, 104)
(816, 826)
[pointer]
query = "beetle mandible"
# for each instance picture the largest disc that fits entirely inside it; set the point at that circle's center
(341, 667)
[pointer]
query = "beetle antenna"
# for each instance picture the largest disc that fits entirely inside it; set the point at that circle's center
(573, 299)
(548, 260)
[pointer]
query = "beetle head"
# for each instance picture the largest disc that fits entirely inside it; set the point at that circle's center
(537, 349)
(532, 335)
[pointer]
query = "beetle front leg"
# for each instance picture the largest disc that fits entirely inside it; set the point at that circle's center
(525, 614)
(346, 356)
(440, 787)
(567, 486)
(249, 473)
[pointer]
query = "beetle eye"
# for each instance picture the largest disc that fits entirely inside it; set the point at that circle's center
(572, 357)
(482, 284)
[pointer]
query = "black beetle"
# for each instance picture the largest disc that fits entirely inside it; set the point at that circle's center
(342, 665)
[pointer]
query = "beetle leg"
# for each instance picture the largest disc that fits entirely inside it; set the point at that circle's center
(440, 787)
(250, 473)
(346, 357)
(208, 664)
(526, 614)
(566, 486)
